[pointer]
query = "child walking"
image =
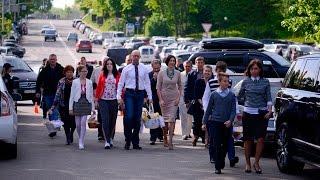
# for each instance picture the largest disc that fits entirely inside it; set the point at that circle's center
(218, 119)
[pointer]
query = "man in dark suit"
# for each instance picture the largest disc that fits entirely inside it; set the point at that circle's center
(83, 61)
(155, 133)
(192, 77)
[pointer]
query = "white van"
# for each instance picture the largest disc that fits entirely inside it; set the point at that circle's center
(147, 54)
(161, 40)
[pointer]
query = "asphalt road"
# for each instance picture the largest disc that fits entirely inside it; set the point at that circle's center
(40, 157)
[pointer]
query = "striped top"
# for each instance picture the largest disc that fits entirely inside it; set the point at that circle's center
(255, 93)
(211, 86)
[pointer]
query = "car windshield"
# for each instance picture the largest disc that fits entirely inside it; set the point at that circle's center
(279, 59)
(85, 42)
(50, 32)
(19, 65)
(145, 52)
(73, 35)
(305, 49)
(119, 35)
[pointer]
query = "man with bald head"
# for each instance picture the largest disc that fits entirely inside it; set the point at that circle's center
(135, 79)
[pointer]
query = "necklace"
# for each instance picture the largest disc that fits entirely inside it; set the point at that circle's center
(170, 73)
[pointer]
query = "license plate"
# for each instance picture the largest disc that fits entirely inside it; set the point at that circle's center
(29, 91)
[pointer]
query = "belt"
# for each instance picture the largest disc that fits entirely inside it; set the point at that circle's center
(128, 89)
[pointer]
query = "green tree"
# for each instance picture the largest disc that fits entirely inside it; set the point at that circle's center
(304, 17)
(157, 25)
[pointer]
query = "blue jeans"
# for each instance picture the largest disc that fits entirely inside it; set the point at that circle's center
(48, 100)
(133, 101)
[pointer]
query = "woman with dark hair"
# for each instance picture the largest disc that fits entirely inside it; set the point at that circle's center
(169, 90)
(256, 96)
(198, 112)
(61, 101)
(106, 96)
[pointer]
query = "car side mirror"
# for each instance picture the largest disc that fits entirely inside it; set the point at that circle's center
(267, 63)
(16, 96)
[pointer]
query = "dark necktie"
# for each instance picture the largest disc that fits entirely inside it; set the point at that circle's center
(137, 76)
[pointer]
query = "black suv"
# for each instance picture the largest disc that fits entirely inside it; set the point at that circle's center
(238, 52)
(297, 112)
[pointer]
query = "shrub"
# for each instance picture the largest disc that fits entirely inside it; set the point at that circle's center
(157, 25)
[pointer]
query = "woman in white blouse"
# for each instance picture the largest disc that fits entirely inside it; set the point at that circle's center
(106, 95)
(81, 88)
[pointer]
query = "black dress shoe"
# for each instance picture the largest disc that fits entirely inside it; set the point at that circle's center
(152, 143)
(52, 134)
(234, 161)
(100, 138)
(217, 171)
(137, 147)
(127, 147)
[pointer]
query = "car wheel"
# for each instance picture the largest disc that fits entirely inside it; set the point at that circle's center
(45, 40)
(54, 39)
(285, 162)
(77, 50)
(90, 51)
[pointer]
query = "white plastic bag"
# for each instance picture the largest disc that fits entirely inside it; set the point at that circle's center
(57, 124)
(50, 127)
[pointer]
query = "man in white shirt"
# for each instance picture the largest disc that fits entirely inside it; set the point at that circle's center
(135, 79)
(185, 118)
(94, 78)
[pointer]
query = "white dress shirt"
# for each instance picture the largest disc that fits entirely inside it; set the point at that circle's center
(95, 74)
(128, 80)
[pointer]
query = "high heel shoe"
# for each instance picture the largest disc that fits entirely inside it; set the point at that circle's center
(170, 146)
(247, 170)
(257, 169)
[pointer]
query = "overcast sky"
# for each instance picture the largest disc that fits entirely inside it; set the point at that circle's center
(62, 3)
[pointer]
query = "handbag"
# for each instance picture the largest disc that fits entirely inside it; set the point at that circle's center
(82, 107)
(191, 108)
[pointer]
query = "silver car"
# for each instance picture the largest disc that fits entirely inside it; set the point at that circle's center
(8, 124)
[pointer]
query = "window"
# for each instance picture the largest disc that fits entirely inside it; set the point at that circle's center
(145, 52)
(309, 74)
(232, 59)
(294, 77)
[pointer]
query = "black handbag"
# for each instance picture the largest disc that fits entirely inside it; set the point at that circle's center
(191, 108)
(82, 107)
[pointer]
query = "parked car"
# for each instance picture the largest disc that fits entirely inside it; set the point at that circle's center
(114, 36)
(114, 45)
(8, 124)
(72, 37)
(26, 76)
(117, 54)
(297, 112)
(50, 34)
(97, 39)
(84, 45)
(238, 52)
(10, 40)
(17, 47)
(146, 53)
(11, 51)
(78, 24)
(274, 47)
(181, 54)
(75, 21)
(165, 52)
(275, 85)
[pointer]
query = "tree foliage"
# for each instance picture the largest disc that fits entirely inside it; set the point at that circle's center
(158, 25)
(254, 18)
(304, 17)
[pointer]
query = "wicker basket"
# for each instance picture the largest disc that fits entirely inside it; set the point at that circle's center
(92, 122)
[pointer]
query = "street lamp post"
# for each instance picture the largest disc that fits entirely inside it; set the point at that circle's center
(225, 25)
